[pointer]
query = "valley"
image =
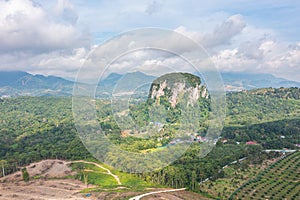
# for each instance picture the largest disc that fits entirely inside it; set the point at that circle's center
(34, 129)
(149, 100)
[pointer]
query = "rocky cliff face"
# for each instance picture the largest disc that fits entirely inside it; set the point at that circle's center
(178, 87)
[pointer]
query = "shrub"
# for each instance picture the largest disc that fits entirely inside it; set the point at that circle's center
(25, 175)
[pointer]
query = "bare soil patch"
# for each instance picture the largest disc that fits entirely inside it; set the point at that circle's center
(43, 169)
(42, 190)
(47, 182)
(180, 195)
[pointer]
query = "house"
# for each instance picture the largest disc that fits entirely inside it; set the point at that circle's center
(224, 140)
(175, 141)
(201, 139)
(251, 143)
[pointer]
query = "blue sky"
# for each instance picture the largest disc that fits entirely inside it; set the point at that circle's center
(281, 16)
(54, 37)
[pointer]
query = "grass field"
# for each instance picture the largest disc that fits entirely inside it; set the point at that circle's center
(104, 182)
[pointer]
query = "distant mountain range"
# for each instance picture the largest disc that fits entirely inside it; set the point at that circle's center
(248, 81)
(128, 83)
(19, 83)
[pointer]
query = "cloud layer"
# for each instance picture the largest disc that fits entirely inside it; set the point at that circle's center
(25, 26)
(55, 37)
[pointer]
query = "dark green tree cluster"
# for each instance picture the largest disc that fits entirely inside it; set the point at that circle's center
(271, 135)
(36, 128)
(249, 107)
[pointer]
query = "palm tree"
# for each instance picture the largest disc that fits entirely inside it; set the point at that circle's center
(85, 177)
(3, 163)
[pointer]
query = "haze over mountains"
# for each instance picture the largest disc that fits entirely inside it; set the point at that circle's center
(247, 81)
(19, 83)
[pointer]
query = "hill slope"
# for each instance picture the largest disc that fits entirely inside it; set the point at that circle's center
(17, 83)
(280, 181)
(248, 81)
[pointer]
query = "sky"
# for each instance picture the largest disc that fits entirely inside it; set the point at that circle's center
(55, 37)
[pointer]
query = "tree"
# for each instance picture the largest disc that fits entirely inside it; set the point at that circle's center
(25, 174)
(3, 163)
(85, 177)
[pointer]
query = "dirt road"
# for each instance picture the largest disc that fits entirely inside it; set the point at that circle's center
(155, 192)
(100, 166)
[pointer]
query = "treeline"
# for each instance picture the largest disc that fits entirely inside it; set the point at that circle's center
(283, 93)
(190, 170)
(271, 135)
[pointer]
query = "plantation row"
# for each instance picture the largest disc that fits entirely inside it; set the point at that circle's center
(280, 181)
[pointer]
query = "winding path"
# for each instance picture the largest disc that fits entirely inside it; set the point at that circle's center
(100, 166)
(156, 192)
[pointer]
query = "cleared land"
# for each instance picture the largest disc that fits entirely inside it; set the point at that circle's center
(42, 190)
(47, 182)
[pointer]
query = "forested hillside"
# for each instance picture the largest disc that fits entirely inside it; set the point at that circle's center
(262, 105)
(35, 128)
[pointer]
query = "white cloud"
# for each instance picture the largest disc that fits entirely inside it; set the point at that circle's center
(242, 47)
(237, 46)
(66, 11)
(286, 64)
(153, 7)
(47, 37)
(25, 26)
(221, 35)
(59, 63)
(269, 56)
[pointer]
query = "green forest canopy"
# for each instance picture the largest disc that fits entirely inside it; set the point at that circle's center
(35, 128)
